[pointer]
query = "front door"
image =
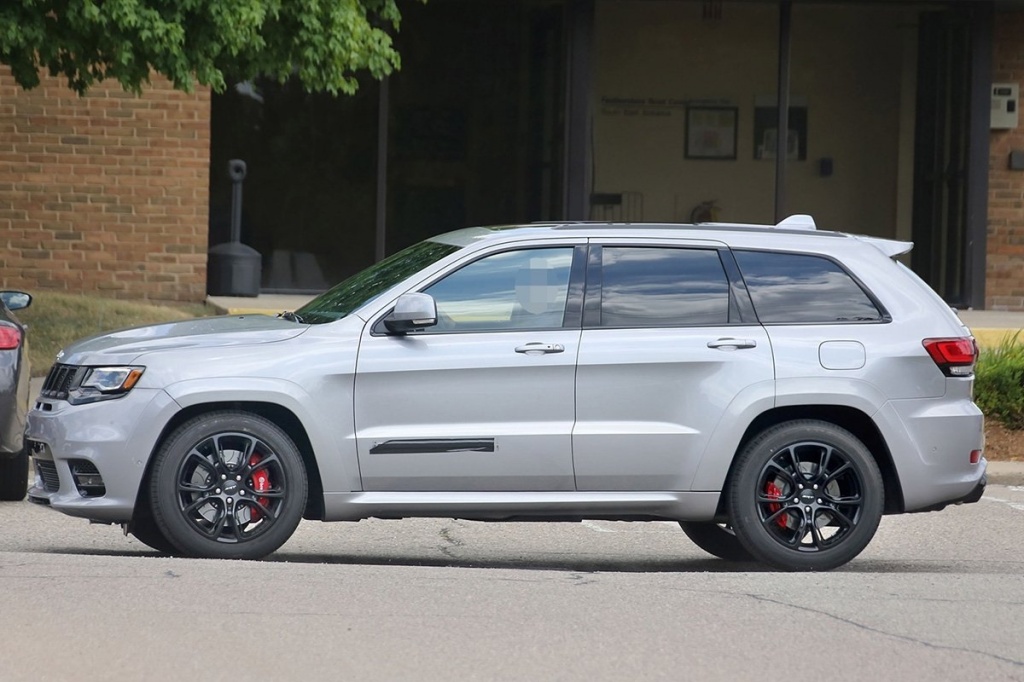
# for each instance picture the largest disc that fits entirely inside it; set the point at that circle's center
(483, 401)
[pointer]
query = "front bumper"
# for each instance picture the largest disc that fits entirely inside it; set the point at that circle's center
(115, 437)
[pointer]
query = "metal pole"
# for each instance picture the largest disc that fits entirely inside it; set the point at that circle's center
(982, 26)
(578, 176)
(782, 138)
(382, 169)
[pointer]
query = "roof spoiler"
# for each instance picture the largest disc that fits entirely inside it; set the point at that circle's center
(798, 222)
(890, 247)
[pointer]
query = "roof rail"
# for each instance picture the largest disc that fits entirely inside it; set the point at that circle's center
(798, 222)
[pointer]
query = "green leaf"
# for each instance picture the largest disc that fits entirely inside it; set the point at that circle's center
(323, 43)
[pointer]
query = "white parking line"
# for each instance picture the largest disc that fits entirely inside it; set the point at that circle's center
(646, 527)
(593, 525)
(1009, 503)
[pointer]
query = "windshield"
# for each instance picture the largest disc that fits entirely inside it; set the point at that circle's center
(355, 291)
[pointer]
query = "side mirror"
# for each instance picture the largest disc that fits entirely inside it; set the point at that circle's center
(412, 311)
(15, 300)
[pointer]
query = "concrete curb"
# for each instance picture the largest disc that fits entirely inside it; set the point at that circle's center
(1005, 473)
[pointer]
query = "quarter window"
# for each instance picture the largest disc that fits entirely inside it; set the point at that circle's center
(524, 289)
(654, 286)
(791, 288)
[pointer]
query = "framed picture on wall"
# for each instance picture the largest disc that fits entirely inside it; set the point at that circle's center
(711, 132)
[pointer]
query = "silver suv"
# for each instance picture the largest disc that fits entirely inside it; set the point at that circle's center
(775, 390)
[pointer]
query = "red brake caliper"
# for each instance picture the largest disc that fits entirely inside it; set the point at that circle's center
(260, 482)
(774, 491)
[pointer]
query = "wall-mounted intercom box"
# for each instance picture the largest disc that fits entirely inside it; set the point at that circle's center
(1004, 105)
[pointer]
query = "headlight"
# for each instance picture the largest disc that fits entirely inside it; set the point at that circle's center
(104, 383)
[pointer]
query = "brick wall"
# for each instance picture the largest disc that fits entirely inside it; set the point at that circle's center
(1004, 280)
(106, 193)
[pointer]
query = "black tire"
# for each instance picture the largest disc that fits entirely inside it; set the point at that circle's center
(716, 539)
(207, 492)
(14, 476)
(805, 496)
(146, 531)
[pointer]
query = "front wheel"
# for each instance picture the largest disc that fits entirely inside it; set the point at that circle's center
(228, 485)
(805, 496)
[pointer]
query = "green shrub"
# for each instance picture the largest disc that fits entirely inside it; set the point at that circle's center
(999, 382)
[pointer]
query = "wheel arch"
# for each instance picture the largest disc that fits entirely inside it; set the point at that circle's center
(281, 416)
(850, 418)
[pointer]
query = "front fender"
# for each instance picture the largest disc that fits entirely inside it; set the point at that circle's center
(328, 422)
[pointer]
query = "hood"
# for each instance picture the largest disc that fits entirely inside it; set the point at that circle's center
(206, 332)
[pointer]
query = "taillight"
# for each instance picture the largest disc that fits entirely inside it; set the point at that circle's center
(955, 357)
(10, 337)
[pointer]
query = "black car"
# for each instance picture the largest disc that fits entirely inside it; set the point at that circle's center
(14, 378)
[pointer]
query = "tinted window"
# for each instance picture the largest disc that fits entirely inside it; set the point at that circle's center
(788, 287)
(662, 287)
(512, 290)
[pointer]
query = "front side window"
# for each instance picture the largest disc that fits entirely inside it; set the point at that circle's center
(655, 286)
(801, 288)
(524, 289)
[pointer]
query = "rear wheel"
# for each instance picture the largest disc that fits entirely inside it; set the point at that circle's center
(228, 485)
(14, 476)
(806, 496)
(717, 539)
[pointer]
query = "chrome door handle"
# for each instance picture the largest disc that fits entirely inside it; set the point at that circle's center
(731, 344)
(541, 348)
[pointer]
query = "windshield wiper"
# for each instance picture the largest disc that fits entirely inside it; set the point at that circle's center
(291, 317)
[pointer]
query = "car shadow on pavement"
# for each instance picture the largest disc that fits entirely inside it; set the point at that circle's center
(622, 564)
(568, 564)
(591, 564)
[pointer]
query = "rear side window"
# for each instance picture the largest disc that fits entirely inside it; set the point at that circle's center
(800, 288)
(652, 286)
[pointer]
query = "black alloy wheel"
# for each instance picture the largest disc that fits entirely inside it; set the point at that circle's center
(228, 485)
(807, 495)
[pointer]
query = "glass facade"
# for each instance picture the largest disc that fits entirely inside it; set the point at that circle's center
(309, 192)
(474, 137)
(673, 118)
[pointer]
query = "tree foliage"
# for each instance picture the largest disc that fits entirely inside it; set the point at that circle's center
(324, 43)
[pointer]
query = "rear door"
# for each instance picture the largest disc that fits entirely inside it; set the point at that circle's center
(669, 340)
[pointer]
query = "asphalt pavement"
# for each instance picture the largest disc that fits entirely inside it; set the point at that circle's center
(934, 597)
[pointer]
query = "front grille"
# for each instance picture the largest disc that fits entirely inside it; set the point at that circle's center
(59, 381)
(47, 471)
